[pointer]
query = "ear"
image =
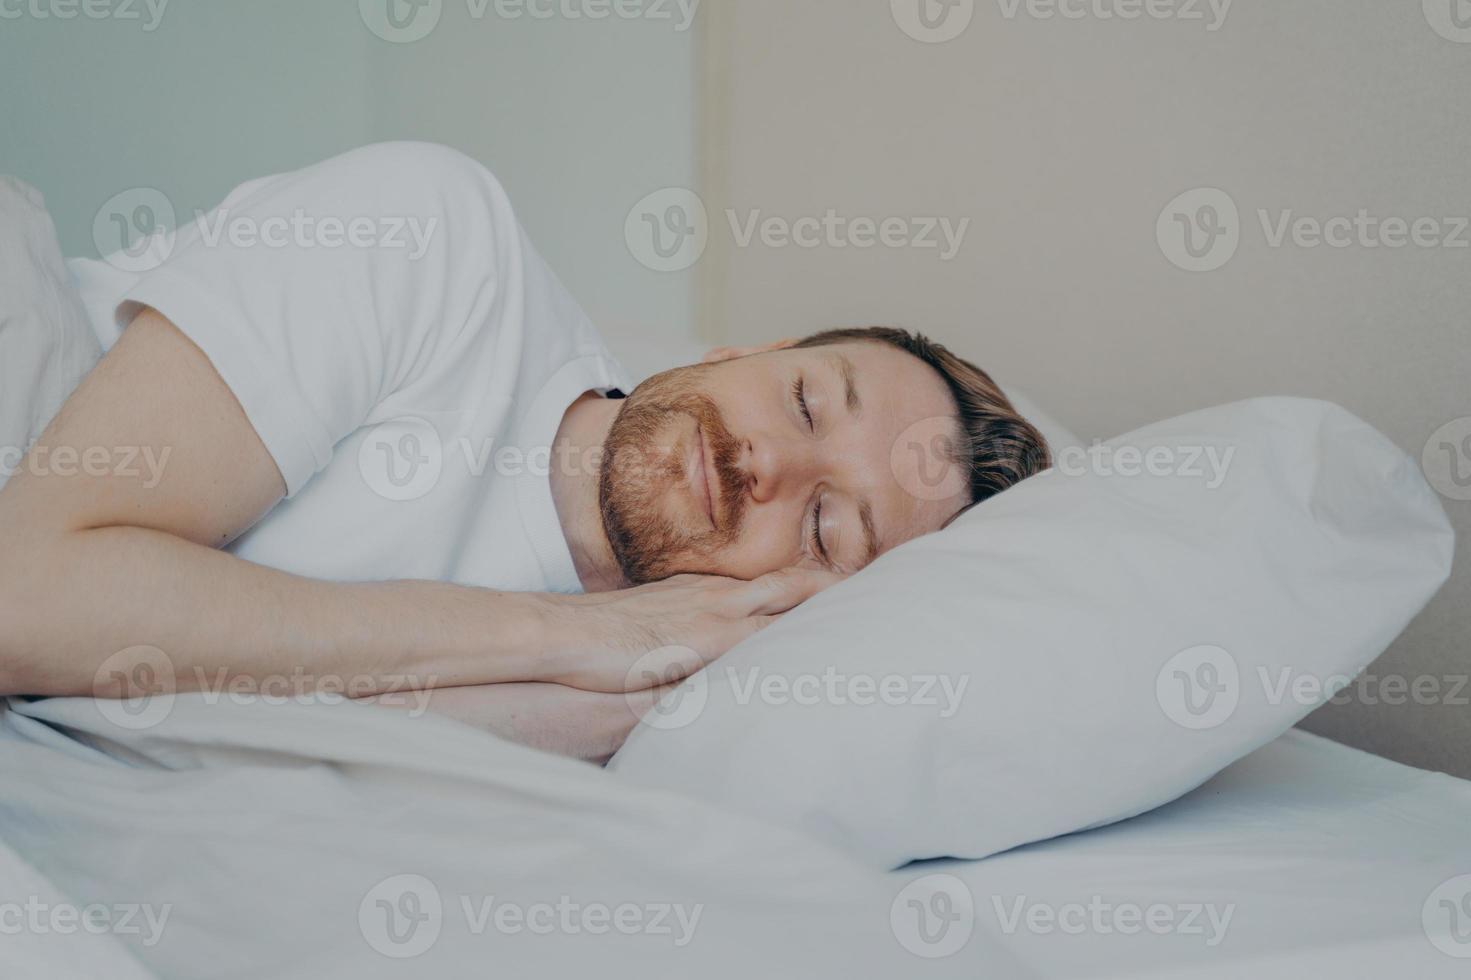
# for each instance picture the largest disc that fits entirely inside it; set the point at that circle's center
(731, 353)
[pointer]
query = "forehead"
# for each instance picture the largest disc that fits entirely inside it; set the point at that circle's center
(901, 440)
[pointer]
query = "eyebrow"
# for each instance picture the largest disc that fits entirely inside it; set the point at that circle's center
(849, 373)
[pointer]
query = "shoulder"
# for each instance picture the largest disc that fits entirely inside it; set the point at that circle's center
(418, 165)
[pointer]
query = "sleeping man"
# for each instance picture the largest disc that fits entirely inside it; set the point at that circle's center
(418, 467)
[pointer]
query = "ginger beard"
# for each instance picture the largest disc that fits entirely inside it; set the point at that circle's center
(654, 524)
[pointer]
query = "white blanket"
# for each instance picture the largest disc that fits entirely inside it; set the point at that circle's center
(335, 840)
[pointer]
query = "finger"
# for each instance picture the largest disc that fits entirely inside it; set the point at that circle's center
(750, 626)
(786, 589)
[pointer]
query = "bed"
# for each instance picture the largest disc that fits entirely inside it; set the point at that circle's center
(208, 838)
(1321, 860)
(275, 835)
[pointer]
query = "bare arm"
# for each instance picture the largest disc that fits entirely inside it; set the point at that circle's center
(581, 724)
(96, 564)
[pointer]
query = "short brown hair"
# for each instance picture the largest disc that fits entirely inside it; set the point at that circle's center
(998, 447)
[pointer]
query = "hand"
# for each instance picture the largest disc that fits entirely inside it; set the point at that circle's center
(656, 635)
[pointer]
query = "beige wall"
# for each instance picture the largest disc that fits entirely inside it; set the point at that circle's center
(1063, 141)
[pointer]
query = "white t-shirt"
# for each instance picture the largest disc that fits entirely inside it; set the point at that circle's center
(403, 352)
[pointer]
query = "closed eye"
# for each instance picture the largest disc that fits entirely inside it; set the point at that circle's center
(799, 392)
(816, 534)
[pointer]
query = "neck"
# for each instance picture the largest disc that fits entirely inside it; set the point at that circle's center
(574, 478)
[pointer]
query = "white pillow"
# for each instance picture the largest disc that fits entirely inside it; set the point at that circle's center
(1109, 641)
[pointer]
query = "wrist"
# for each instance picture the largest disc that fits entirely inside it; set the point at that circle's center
(550, 638)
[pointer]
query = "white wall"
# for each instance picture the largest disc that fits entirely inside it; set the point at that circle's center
(218, 93)
(1063, 141)
(579, 118)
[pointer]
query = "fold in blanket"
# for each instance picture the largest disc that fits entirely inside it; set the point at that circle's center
(318, 841)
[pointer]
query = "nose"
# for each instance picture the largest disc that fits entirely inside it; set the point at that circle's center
(779, 466)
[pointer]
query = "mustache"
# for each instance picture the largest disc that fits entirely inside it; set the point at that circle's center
(725, 453)
(638, 471)
(637, 458)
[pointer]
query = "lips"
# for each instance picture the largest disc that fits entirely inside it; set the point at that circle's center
(700, 474)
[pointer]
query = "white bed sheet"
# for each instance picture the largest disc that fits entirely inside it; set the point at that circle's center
(30, 954)
(277, 838)
(1328, 861)
(264, 828)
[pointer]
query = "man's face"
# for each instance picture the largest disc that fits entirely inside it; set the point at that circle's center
(823, 457)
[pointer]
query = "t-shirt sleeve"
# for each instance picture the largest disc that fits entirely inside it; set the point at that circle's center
(318, 295)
